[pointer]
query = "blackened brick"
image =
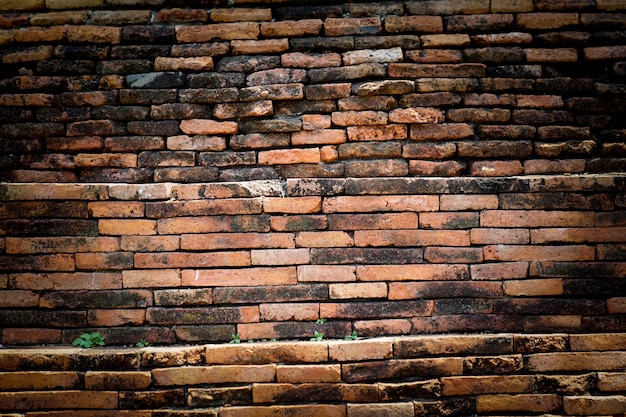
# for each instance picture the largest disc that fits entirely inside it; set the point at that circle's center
(168, 128)
(149, 34)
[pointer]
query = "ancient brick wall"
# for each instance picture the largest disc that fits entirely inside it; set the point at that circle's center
(185, 171)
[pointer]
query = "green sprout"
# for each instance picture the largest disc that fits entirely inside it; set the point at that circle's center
(89, 340)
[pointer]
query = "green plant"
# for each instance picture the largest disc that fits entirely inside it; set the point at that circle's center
(235, 338)
(250, 340)
(317, 336)
(89, 340)
(143, 343)
(353, 336)
(321, 321)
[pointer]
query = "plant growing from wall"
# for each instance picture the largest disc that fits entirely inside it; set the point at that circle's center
(317, 336)
(234, 338)
(353, 336)
(89, 340)
(142, 343)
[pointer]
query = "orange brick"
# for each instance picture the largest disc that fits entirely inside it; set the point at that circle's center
(290, 156)
(495, 168)
(500, 270)
(578, 235)
(292, 205)
(399, 238)
(26, 100)
(218, 31)
(280, 257)
(70, 399)
(315, 121)
(150, 278)
(241, 14)
(459, 202)
(150, 243)
(213, 374)
(61, 244)
(373, 328)
(396, 24)
(418, 272)
(308, 373)
(358, 350)
(535, 218)
(36, 53)
(310, 60)
(116, 317)
(373, 221)
(267, 46)
(534, 403)
(105, 160)
(116, 209)
(546, 20)
(533, 287)
(352, 26)
(42, 35)
(104, 261)
(500, 236)
(326, 273)
(352, 204)
(209, 224)
(329, 153)
(576, 361)
(285, 411)
(33, 380)
(112, 380)
(377, 133)
(319, 136)
(212, 241)
(200, 63)
(127, 227)
(492, 384)
(94, 34)
(67, 281)
(289, 311)
(291, 28)
(239, 277)
(539, 253)
(139, 192)
(191, 260)
(413, 290)
(208, 127)
(359, 118)
(267, 353)
(324, 239)
(358, 290)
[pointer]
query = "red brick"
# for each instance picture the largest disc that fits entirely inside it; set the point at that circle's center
(377, 133)
(447, 40)
(61, 244)
(266, 353)
(326, 273)
(18, 298)
(116, 317)
(239, 277)
(373, 221)
(416, 115)
(533, 287)
(359, 118)
(435, 56)
(515, 38)
(374, 328)
(459, 202)
(412, 238)
(352, 26)
(438, 272)
(151, 278)
(191, 260)
(208, 224)
(578, 235)
(292, 205)
(535, 218)
(31, 336)
(315, 121)
(500, 270)
(67, 281)
(218, 31)
(539, 253)
(287, 311)
(397, 24)
(105, 160)
(290, 156)
(259, 47)
(496, 168)
(291, 28)
(116, 209)
(427, 150)
(310, 60)
(444, 131)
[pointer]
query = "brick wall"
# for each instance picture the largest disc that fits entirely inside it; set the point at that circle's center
(184, 171)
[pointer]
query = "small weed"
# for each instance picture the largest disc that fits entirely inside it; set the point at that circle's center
(235, 338)
(250, 340)
(142, 343)
(89, 340)
(321, 321)
(273, 339)
(353, 336)
(317, 336)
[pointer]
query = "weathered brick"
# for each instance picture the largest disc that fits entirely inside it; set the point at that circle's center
(435, 56)
(377, 133)
(285, 410)
(380, 103)
(183, 64)
(207, 127)
(218, 31)
(352, 26)
(95, 34)
(240, 277)
(551, 55)
(424, 23)
(359, 118)
(416, 115)
(604, 52)
(518, 402)
(448, 7)
(178, 15)
(60, 399)
(291, 28)
(405, 70)
(372, 55)
(588, 404)
(547, 20)
(259, 47)
(241, 14)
